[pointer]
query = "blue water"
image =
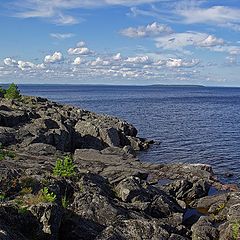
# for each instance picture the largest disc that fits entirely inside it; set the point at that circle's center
(192, 124)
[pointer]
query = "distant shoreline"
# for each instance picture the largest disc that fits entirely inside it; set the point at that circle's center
(120, 85)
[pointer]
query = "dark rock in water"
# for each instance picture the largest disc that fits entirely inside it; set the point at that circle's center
(109, 193)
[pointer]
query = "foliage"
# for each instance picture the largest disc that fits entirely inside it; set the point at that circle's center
(22, 210)
(64, 201)
(5, 153)
(2, 197)
(26, 190)
(2, 91)
(48, 196)
(235, 230)
(64, 167)
(12, 92)
(43, 196)
(220, 207)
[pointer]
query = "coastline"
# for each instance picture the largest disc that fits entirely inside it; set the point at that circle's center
(113, 194)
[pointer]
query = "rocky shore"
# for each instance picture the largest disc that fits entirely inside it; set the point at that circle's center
(70, 174)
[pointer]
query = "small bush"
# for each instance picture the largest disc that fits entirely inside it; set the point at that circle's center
(47, 196)
(43, 196)
(64, 201)
(2, 197)
(235, 230)
(12, 92)
(64, 167)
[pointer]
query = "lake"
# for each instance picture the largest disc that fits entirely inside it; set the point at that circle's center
(191, 124)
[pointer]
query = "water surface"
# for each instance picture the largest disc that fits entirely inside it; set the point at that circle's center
(192, 124)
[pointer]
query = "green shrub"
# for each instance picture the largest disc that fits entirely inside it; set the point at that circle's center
(64, 167)
(12, 92)
(2, 197)
(48, 196)
(235, 230)
(64, 201)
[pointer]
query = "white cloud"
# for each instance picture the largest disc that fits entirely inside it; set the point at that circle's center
(138, 60)
(10, 62)
(56, 57)
(81, 44)
(117, 57)
(215, 14)
(61, 36)
(181, 63)
(54, 10)
(100, 62)
(178, 41)
(77, 61)
(153, 29)
(23, 65)
(211, 41)
(79, 51)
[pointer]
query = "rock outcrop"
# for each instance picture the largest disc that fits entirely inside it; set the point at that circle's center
(108, 193)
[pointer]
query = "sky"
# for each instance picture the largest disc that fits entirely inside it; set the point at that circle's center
(133, 42)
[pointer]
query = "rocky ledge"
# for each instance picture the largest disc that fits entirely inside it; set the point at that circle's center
(100, 190)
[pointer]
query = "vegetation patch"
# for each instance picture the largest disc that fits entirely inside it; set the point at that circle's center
(12, 92)
(64, 167)
(235, 230)
(5, 153)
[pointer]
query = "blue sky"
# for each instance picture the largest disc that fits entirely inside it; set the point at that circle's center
(120, 42)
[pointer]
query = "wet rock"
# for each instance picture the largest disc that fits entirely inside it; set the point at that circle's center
(189, 189)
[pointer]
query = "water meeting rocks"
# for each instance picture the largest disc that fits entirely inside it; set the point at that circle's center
(112, 195)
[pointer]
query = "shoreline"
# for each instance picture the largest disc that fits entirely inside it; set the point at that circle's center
(111, 193)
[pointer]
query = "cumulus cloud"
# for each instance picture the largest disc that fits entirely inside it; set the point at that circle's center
(56, 57)
(100, 62)
(79, 51)
(10, 62)
(23, 65)
(81, 44)
(61, 36)
(181, 63)
(149, 30)
(77, 61)
(138, 60)
(117, 57)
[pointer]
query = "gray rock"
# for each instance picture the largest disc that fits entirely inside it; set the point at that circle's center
(130, 189)
(50, 216)
(135, 229)
(203, 229)
(7, 136)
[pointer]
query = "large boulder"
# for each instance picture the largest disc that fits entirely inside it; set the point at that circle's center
(7, 136)
(49, 216)
(135, 229)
